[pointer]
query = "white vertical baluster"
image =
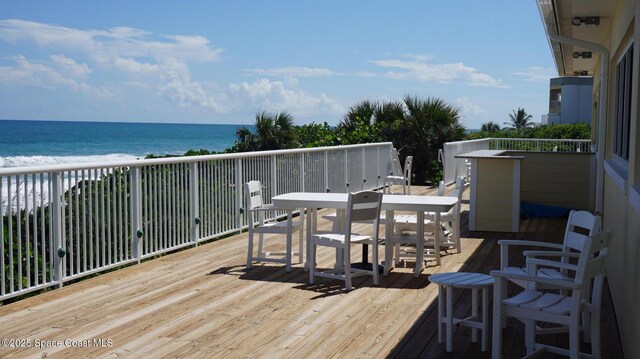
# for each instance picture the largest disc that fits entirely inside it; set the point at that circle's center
(56, 220)
(194, 201)
(135, 200)
(2, 248)
(19, 232)
(27, 238)
(34, 218)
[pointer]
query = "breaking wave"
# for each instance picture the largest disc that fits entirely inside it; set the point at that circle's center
(22, 161)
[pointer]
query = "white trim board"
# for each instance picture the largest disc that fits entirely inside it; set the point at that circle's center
(617, 174)
(634, 197)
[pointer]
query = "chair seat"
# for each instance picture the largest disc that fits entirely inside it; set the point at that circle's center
(543, 272)
(536, 300)
(276, 227)
(334, 217)
(338, 239)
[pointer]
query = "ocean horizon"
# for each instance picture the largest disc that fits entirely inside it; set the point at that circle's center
(43, 142)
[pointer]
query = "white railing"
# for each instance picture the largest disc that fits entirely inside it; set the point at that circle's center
(454, 167)
(540, 145)
(59, 223)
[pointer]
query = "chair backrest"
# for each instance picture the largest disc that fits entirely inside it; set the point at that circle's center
(363, 206)
(407, 167)
(458, 193)
(253, 194)
(591, 264)
(579, 225)
(589, 269)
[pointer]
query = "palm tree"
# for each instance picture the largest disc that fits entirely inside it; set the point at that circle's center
(519, 120)
(358, 124)
(490, 127)
(427, 125)
(273, 131)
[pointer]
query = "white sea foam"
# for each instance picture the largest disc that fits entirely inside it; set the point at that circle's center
(21, 161)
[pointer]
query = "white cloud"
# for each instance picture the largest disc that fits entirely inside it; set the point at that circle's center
(160, 59)
(176, 85)
(111, 43)
(133, 66)
(291, 72)
(468, 107)
(442, 73)
(27, 73)
(70, 67)
(277, 96)
(536, 74)
(419, 57)
(152, 62)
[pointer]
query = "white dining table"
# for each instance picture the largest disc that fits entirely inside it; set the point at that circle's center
(311, 201)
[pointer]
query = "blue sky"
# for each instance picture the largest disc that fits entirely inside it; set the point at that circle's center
(223, 61)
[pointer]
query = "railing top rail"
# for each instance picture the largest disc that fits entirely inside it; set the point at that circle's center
(12, 171)
(540, 139)
(468, 141)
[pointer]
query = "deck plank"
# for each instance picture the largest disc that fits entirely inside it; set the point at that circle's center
(202, 302)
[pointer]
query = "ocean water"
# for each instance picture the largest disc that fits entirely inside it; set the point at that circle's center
(29, 143)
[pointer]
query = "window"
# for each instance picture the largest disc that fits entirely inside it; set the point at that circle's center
(623, 104)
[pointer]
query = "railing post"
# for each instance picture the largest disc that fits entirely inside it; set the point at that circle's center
(346, 171)
(274, 176)
(364, 173)
(194, 203)
(137, 232)
(302, 187)
(56, 222)
(326, 171)
(238, 186)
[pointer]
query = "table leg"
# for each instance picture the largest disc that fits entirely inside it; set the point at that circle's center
(420, 245)
(485, 318)
(474, 313)
(301, 236)
(449, 318)
(310, 226)
(441, 298)
(339, 227)
(289, 240)
(437, 239)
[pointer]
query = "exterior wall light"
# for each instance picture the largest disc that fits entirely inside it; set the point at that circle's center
(583, 54)
(587, 20)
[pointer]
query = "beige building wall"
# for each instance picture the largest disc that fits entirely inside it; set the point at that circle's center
(494, 195)
(621, 182)
(558, 179)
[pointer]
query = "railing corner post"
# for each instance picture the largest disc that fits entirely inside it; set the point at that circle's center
(194, 203)
(137, 233)
(56, 219)
(238, 186)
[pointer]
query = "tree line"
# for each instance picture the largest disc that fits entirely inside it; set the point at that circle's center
(416, 126)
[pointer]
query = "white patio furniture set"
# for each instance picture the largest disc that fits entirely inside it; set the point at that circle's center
(561, 285)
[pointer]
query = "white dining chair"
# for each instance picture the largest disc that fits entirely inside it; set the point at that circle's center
(579, 223)
(404, 180)
(584, 281)
(449, 231)
(361, 206)
(260, 224)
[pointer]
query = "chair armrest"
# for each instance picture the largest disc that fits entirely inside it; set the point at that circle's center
(550, 254)
(542, 280)
(549, 263)
(505, 243)
(517, 242)
(261, 209)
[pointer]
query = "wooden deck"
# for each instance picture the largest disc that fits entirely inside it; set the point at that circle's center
(202, 303)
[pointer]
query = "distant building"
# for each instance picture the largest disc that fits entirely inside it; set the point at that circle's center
(570, 100)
